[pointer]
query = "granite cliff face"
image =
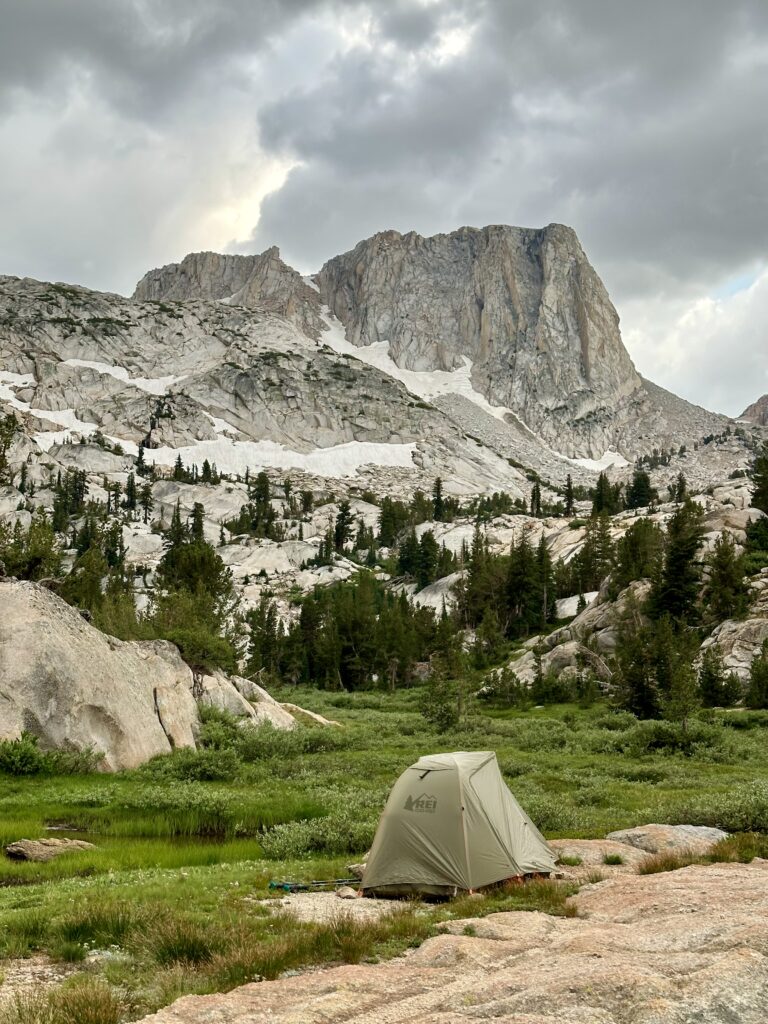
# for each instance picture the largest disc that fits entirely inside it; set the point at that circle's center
(520, 312)
(262, 282)
(523, 305)
(757, 412)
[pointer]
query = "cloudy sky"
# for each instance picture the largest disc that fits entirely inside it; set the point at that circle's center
(133, 133)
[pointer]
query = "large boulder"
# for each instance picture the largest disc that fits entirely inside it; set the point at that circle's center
(695, 839)
(75, 688)
(738, 643)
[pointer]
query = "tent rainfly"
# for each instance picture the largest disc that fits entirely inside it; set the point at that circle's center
(451, 824)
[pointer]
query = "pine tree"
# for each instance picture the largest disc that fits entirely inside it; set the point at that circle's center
(438, 506)
(683, 698)
(726, 594)
(569, 505)
(546, 582)
(759, 475)
(426, 565)
(640, 493)
(130, 493)
(636, 687)
(141, 466)
(757, 692)
(536, 500)
(179, 472)
(676, 590)
(343, 529)
(604, 500)
(196, 526)
(718, 688)
(146, 500)
(7, 430)
(176, 533)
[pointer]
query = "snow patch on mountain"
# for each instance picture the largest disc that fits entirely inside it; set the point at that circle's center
(606, 460)
(341, 460)
(152, 385)
(425, 384)
(222, 426)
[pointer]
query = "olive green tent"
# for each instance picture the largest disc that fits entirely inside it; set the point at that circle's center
(452, 824)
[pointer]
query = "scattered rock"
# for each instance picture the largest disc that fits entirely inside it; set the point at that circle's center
(45, 849)
(32, 974)
(311, 716)
(659, 838)
(346, 892)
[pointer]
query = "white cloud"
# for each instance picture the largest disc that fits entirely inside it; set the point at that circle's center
(712, 350)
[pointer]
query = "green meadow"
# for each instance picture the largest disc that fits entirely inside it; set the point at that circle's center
(174, 896)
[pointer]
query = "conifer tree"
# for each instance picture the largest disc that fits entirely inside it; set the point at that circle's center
(759, 475)
(757, 692)
(427, 561)
(146, 501)
(569, 505)
(343, 529)
(536, 499)
(130, 493)
(676, 590)
(438, 505)
(726, 594)
(640, 493)
(719, 689)
(683, 698)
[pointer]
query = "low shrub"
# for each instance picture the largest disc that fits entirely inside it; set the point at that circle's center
(744, 808)
(342, 831)
(189, 765)
(23, 756)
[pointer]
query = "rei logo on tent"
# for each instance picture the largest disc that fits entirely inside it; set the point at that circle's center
(424, 803)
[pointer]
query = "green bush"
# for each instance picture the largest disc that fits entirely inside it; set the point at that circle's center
(339, 833)
(23, 756)
(744, 808)
(708, 742)
(189, 765)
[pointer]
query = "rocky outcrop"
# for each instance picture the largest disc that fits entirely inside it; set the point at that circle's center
(738, 642)
(260, 282)
(75, 688)
(523, 305)
(757, 412)
(669, 948)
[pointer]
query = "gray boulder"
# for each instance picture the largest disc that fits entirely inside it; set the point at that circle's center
(42, 850)
(660, 838)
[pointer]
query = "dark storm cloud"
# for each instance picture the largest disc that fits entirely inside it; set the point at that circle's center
(144, 53)
(131, 131)
(641, 124)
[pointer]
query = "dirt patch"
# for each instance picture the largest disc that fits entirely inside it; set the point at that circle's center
(322, 907)
(22, 977)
